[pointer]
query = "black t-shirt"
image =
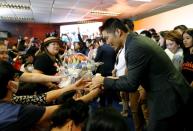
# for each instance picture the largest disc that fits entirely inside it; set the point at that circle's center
(15, 117)
(49, 67)
(45, 64)
(187, 67)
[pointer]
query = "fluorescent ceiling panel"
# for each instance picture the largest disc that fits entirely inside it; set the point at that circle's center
(5, 11)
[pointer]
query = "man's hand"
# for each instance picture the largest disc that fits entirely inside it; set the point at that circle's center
(112, 77)
(97, 80)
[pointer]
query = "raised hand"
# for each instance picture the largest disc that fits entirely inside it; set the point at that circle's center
(81, 84)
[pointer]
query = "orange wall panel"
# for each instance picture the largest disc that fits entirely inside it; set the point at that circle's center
(167, 20)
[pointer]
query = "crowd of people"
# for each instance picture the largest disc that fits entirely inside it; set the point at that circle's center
(150, 73)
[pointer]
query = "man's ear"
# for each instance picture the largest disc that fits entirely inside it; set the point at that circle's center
(118, 32)
(13, 86)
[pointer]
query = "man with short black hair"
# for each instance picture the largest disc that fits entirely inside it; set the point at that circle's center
(169, 95)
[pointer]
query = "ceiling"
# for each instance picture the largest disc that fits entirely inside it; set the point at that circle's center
(75, 11)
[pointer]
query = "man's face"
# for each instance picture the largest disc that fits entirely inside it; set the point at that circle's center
(3, 53)
(112, 39)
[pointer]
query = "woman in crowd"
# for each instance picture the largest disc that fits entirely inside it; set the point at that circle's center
(27, 65)
(180, 28)
(83, 43)
(47, 61)
(28, 77)
(162, 41)
(173, 48)
(146, 33)
(93, 49)
(79, 48)
(187, 67)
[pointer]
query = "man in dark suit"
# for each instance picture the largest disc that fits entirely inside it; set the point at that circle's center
(169, 95)
(105, 54)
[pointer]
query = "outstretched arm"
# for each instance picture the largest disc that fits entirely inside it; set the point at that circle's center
(37, 77)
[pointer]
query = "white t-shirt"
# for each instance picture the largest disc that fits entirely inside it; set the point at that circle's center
(121, 65)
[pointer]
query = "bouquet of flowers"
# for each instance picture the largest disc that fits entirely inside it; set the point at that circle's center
(76, 66)
(79, 61)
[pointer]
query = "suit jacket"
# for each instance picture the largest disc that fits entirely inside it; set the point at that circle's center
(149, 66)
(107, 55)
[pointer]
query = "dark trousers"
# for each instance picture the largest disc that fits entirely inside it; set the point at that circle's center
(106, 98)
